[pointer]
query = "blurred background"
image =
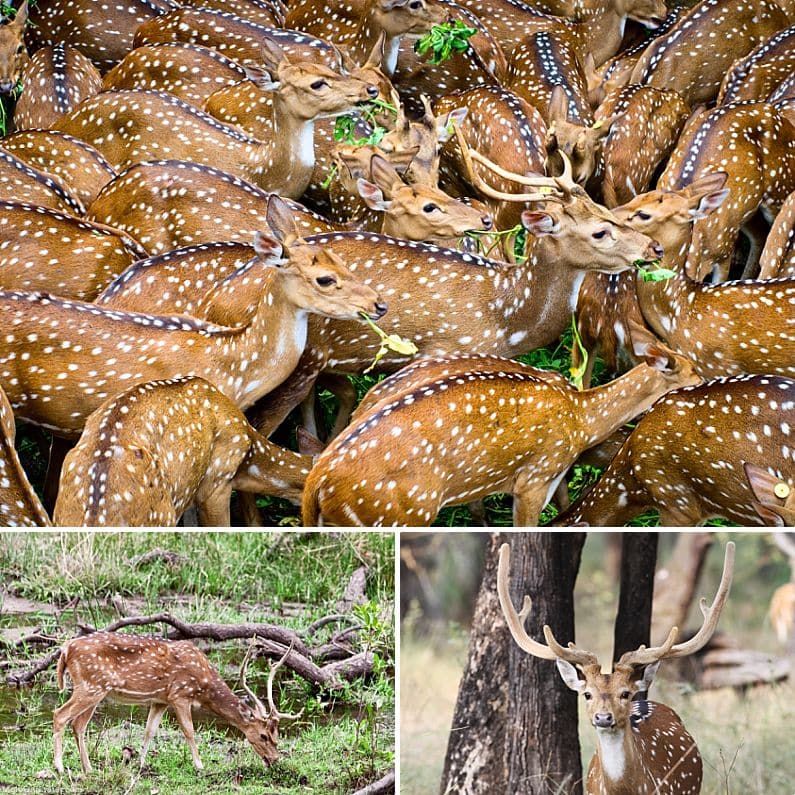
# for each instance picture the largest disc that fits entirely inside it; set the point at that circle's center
(734, 697)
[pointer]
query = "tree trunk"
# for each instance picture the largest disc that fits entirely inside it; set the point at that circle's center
(515, 724)
(633, 620)
(676, 583)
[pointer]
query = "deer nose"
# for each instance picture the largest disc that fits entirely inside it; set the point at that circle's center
(603, 720)
(372, 91)
(380, 308)
(487, 222)
(6, 86)
(656, 249)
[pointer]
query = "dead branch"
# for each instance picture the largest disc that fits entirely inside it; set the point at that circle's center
(383, 785)
(338, 618)
(18, 678)
(354, 593)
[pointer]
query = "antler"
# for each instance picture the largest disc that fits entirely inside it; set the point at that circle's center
(274, 711)
(469, 155)
(259, 707)
(515, 621)
(644, 656)
(785, 542)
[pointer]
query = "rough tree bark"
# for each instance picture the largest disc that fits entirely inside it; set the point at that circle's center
(515, 724)
(633, 620)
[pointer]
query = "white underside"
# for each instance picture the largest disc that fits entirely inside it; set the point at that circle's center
(611, 753)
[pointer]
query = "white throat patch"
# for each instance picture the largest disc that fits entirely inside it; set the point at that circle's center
(611, 752)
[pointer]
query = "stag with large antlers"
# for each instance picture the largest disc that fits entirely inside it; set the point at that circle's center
(642, 746)
(159, 674)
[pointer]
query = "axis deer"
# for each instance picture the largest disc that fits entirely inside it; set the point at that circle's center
(782, 605)
(759, 73)
(104, 33)
(257, 11)
(642, 746)
(19, 504)
(250, 342)
(750, 142)
(80, 168)
(694, 473)
(474, 428)
(13, 52)
(686, 59)
(778, 255)
(23, 183)
(139, 670)
(129, 127)
(159, 447)
(41, 249)
(55, 81)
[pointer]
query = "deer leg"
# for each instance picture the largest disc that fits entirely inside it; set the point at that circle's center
(530, 494)
(308, 413)
(58, 450)
(182, 712)
(79, 725)
(345, 392)
(152, 722)
(79, 702)
(214, 510)
(755, 230)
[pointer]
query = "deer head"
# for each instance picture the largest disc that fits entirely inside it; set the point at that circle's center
(409, 18)
(649, 13)
(13, 53)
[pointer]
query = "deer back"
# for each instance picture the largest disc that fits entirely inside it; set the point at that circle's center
(54, 82)
(80, 167)
(778, 255)
(262, 12)
(24, 183)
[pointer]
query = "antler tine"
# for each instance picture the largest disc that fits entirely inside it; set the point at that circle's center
(565, 182)
(259, 707)
(785, 542)
(274, 711)
(569, 653)
(484, 187)
(644, 656)
(516, 620)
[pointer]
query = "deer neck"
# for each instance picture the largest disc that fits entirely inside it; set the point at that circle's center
(286, 161)
(365, 39)
(618, 757)
(266, 464)
(602, 34)
(220, 700)
(541, 293)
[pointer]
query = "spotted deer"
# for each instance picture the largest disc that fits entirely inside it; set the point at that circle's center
(78, 167)
(129, 127)
(686, 59)
(782, 604)
(149, 453)
(41, 249)
(759, 73)
(750, 142)
(19, 503)
(269, 13)
(55, 81)
(146, 671)
(641, 746)
(778, 255)
(25, 183)
(250, 342)
(103, 33)
(13, 52)
(472, 428)
(693, 476)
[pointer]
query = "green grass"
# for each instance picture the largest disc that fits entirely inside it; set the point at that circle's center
(345, 737)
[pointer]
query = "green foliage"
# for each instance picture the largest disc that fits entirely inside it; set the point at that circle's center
(657, 274)
(444, 40)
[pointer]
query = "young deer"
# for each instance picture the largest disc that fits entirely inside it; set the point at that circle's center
(55, 82)
(13, 52)
(642, 746)
(139, 670)
(159, 447)
(471, 428)
(79, 168)
(19, 504)
(695, 473)
(129, 127)
(82, 354)
(41, 249)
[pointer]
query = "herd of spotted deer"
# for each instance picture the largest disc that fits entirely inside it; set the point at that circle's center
(160, 277)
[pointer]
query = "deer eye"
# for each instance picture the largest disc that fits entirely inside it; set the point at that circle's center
(318, 84)
(599, 235)
(430, 207)
(626, 695)
(415, 5)
(325, 281)
(20, 49)
(587, 695)
(643, 216)
(263, 736)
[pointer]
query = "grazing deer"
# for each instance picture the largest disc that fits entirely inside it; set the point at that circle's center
(82, 354)
(471, 427)
(55, 81)
(134, 669)
(13, 52)
(80, 168)
(782, 605)
(129, 127)
(159, 447)
(699, 50)
(695, 473)
(642, 746)
(41, 249)
(19, 504)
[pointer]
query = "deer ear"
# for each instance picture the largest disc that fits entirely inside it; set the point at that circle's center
(558, 106)
(771, 493)
(260, 77)
(383, 174)
(539, 223)
(707, 194)
(445, 124)
(376, 56)
(372, 196)
(644, 683)
(267, 249)
(646, 346)
(272, 53)
(21, 16)
(568, 673)
(279, 216)
(308, 444)
(602, 126)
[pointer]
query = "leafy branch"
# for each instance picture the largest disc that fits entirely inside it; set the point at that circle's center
(444, 40)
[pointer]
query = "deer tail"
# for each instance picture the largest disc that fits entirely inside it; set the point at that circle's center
(60, 670)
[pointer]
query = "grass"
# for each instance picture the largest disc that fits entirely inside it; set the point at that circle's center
(745, 738)
(344, 739)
